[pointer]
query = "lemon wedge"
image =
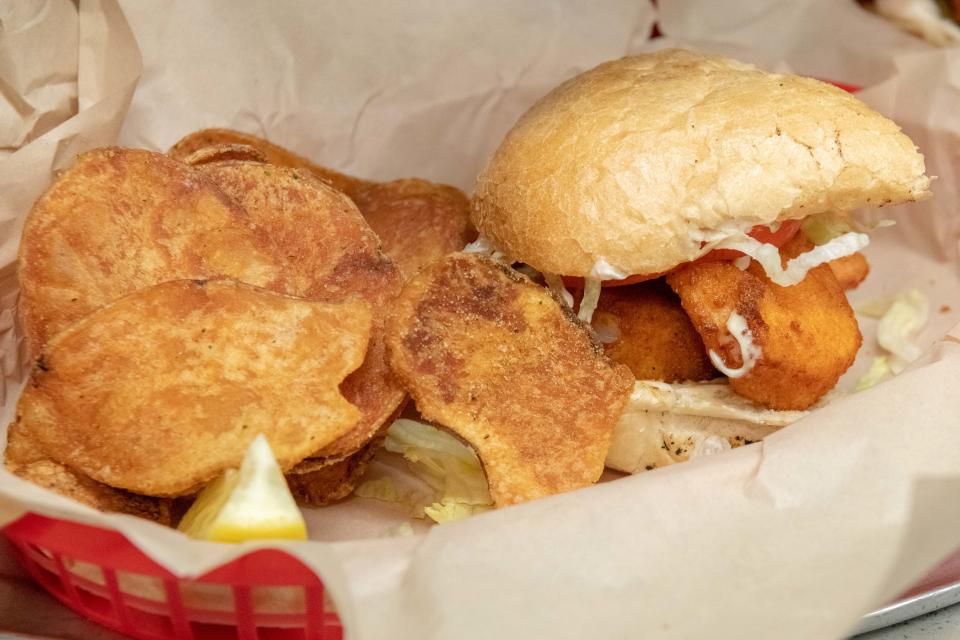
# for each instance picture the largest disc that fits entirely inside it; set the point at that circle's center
(253, 503)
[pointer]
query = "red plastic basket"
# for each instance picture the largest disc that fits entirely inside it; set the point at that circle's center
(266, 594)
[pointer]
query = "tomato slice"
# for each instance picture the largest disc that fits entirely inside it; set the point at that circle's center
(778, 238)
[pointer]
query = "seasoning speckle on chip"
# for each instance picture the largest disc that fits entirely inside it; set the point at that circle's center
(162, 390)
(495, 359)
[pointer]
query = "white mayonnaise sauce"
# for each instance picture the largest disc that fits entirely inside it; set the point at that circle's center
(750, 353)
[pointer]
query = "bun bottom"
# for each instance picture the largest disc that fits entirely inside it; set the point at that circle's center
(664, 424)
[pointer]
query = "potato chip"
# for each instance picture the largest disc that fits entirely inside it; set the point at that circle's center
(275, 154)
(224, 153)
(22, 458)
(325, 251)
(164, 389)
(320, 481)
(417, 221)
(493, 357)
(123, 219)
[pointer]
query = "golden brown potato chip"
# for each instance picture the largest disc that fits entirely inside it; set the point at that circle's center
(644, 327)
(807, 333)
(22, 458)
(326, 251)
(224, 153)
(275, 154)
(123, 219)
(851, 270)
(330, 479)
(164, 389)
(320, 480)
(417, 221)
(494, 358)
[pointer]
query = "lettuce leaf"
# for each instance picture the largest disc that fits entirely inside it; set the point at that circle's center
(446, 465)
(821, 228)
(879, 369)
(900, 326)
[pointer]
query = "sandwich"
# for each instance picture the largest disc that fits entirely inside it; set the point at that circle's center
(696, 212)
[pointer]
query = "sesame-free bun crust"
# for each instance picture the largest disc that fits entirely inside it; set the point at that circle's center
(638, 160)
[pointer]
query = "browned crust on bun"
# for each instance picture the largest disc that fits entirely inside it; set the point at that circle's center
(638, 159)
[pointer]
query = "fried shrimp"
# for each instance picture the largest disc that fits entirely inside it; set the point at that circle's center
(644, 327)
(801, 338)
(850, 270)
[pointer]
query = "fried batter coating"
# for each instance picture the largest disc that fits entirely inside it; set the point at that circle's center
(644, 327)
(123, 219)
(497, 360)
(164, 389)
(807, 332)
(275, 154)
(325, 251)
(417, 221)
(851, 270)
(24, 459)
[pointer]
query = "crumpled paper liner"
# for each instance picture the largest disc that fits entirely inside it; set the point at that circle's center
(795, 537)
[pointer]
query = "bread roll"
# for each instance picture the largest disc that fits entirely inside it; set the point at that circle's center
(627, 168)
(668, 423)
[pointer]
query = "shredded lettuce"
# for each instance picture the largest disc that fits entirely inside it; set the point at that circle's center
(480, 245)
(900, 325)
(445, 464)
(875, 308)
(603, 270)
(483, 246)
(769, 256)
(386, 490)
(821, 228)
(556, 285)
(879, 369)
(402, 530)
(591, 296)
(824, 227)
(441, 512)
(607, 327)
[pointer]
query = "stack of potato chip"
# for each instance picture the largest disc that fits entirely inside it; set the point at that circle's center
(178, 305)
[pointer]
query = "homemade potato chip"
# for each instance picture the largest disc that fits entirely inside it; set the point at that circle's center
(24, 459)
(417, 221)
(275, 154)
(162, 390)
(644, 327)
(320, 481)
(803, 336)
(123, 219)
(224, 153)
(325, 251)
(494, 358)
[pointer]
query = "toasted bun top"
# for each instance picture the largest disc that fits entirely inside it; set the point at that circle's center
(639, 160)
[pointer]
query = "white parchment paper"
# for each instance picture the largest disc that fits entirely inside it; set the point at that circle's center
(792, 538)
